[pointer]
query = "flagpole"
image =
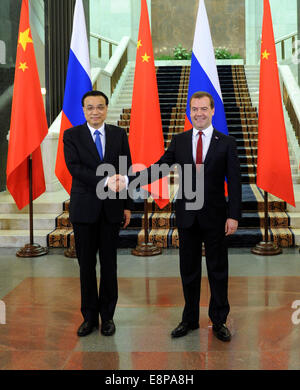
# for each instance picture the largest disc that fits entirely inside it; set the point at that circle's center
(272, 139)
(31, 249)
(146, 248)
(266, 247)
(30, 200)
(146, 225)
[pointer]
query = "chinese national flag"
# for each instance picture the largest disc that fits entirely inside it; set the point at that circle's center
(145, 135)
(273, 163)
(28, 126)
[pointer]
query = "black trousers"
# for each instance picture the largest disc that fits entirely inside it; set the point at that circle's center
(190, 253)
(89, 239)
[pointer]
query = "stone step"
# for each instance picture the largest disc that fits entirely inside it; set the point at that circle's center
(113, 119)
(229, 110)
(47, 203)
(40, 208)
(115, 110)
(297, 236)
(180, 122)
(14, 223)
(233, 129)
(249, 220)
(21, 221)
(295, 220)
(18, 238)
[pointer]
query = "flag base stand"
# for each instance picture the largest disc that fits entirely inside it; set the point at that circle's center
(32, 250)
(148, 249)
(266, 249)
(70, 252)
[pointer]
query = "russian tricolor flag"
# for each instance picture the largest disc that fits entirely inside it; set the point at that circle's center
(204, 75)
(78, 82)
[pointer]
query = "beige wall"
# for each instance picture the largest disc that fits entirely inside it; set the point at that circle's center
(173, 22)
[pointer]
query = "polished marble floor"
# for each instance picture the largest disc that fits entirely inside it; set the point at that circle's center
(41, 298)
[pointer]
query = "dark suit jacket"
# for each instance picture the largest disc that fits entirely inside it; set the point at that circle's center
(82, 160)
(221, 161)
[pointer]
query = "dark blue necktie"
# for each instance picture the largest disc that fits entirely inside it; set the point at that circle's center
(98, 144)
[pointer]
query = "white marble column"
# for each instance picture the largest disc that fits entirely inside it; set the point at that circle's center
(253, 23)
(284, 18)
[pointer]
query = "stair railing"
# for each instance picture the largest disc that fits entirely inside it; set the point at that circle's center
(284, 41)
(287, 45)
(291, 99)
(100, 40)
(106, 79)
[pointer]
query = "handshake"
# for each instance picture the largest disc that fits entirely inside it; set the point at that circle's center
(117, 183)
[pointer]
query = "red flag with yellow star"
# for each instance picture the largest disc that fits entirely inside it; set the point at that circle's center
(273, 163)
(28, 126)
(145, 135)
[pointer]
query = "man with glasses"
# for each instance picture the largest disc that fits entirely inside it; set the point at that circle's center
(96, 221)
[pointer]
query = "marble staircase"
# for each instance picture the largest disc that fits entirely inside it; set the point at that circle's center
(51, 209)
(252, 76)
(241, 116)
(122, 95)
(14, 223)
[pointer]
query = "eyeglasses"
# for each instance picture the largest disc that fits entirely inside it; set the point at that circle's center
(100, 108)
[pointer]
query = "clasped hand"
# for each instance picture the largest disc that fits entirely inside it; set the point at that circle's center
(116, 183)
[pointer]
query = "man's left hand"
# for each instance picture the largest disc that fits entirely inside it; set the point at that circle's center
(127, 216)
(231, 226)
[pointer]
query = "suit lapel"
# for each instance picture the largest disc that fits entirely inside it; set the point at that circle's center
(108, 142)
(87, 140)
(212, 147)
(189, 146)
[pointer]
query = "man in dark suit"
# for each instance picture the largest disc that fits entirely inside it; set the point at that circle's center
(211, 223)
(96, 220)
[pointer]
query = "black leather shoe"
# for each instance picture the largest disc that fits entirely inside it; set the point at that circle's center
(183, 328)
(108, 328)
(86, 328)
(222, 332)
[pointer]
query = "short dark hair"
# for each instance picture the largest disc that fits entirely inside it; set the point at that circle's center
(201, 94)
(94, 93)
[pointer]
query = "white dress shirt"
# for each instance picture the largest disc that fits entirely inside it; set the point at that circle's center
(206, 138)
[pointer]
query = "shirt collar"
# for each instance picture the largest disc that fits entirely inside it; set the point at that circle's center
(206, 132)
(92, 130)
